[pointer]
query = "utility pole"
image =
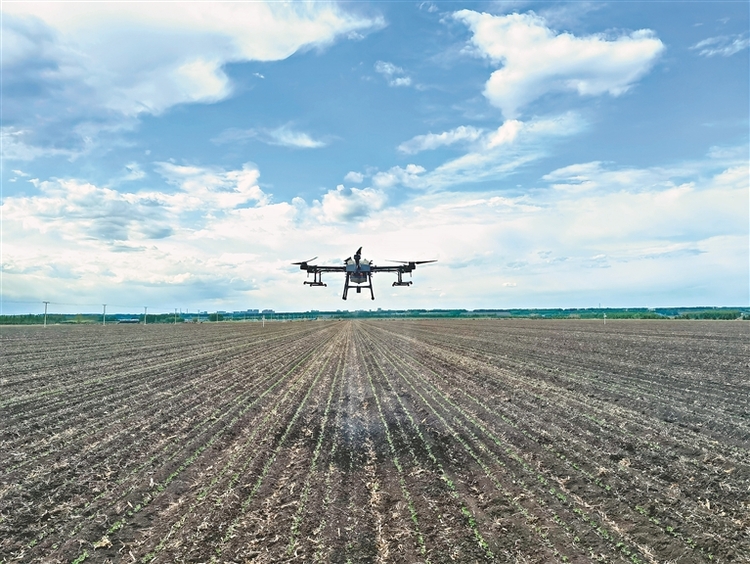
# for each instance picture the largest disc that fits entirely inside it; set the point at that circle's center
(45, 313)
(104, 314)
(145, 314)
(175, 316)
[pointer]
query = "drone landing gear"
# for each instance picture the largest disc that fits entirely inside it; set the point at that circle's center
(358, 287)
(400, 282)
(317, 280)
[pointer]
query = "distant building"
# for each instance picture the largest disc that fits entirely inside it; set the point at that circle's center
(268, 312)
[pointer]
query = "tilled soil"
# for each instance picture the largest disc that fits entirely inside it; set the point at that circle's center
(377, 441)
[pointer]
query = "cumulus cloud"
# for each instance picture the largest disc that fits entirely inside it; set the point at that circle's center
(396, 76)
(76, 209)
(406, 176)
(210, 189)
(69, 58)
(508, 132)
(355, 177)
(723, 45)
(654, 234)
(349, 204)
(431, 141)
(80, 211)
(536, 60)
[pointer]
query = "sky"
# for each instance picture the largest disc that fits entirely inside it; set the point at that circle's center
(547, 154)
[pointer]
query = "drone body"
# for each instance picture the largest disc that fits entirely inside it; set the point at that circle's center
(358, 272)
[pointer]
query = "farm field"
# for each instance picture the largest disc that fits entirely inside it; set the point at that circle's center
(376, 441)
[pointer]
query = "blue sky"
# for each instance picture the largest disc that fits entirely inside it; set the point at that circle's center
(567, 154)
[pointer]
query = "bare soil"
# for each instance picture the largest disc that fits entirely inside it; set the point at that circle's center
(377, 441)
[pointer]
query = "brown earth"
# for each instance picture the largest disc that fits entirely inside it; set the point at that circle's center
(376, 441)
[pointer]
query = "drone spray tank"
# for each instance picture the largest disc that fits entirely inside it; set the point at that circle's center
(358, 271)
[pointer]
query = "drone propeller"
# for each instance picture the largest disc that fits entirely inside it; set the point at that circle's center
(412, 261)
(305, 261)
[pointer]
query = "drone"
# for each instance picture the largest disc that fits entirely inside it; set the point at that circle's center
(359, 272)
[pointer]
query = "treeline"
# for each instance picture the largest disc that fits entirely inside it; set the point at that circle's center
(715, 315)
(33, 319)
(85, 318)
(558, 313)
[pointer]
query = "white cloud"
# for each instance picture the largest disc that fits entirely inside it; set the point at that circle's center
(348, 204)
(727, 153)
(428, 6)
(77, 210)
(593, 176)
(16, 146)
(723, 45)
(661, 236)
(105, 63)
(234, 135)
(493, 154)
(654, 204)
(134, 172)
(202, 80)
(285, 136)
(355, 177)
(603, 177)
(537, 60)
(622, 240)
(81, 212)
(431, 141)
(507, 133)
(407, 176)
(565, 15)
(396, 76)
(211, 190)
